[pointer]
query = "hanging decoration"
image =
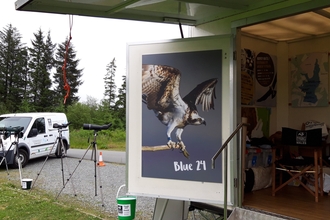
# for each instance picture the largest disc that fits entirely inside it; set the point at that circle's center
(65, 82)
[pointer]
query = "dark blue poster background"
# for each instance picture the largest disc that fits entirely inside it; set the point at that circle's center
(201, 141)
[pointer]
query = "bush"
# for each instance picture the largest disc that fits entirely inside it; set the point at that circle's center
(105, 139)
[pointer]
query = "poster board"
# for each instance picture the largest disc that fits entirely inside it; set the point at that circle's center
(309, 80)
(168, 173)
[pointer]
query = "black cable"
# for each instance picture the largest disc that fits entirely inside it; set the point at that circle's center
(181, 30)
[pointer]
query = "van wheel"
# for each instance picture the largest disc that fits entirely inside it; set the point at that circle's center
(23, 156)
(61, 152)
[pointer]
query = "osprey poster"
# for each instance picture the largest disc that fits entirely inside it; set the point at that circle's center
(181, 115)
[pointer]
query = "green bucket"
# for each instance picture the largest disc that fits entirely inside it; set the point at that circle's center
(26, 183)
(126, 206)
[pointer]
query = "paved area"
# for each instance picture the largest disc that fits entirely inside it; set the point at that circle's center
(108, 156)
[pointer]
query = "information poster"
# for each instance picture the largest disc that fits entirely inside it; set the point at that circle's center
(265, 80)
(181, 123)
(178, 117)
(309, 77)
(247, 76)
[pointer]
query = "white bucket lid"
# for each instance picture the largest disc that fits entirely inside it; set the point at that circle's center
(126, 198)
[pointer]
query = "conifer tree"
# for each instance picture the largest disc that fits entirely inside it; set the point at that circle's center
(13, 68)
(121, 102)
(110, 85)
(40, 65)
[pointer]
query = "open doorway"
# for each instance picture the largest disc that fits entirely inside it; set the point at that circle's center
(272, 98)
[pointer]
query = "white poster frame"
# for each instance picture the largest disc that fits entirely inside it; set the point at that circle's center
(170, 188)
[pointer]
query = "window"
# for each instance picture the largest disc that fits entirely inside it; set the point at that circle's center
(14, 122)
(39, 124)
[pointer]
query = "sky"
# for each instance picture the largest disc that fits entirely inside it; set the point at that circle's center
(96, 40)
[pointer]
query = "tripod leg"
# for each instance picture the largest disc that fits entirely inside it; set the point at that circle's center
(100, 182)
(59, 149)
(19, 167)
(74, 170)
(64, 150)
(19, 162)
(4, 159)
(93, 153)
(95, 166)
(70, 174)
(42, 167)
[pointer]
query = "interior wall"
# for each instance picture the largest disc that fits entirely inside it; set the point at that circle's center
(284, 115)
(282, 107)
(260, 45)
(299, 115)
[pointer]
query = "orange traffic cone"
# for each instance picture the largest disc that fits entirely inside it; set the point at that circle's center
(101, 163)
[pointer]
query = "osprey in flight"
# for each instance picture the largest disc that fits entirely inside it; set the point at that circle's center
(160, 92)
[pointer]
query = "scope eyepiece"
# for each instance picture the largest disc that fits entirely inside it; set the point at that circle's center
(6, 135)
(10, 129)
(96, 127)
(60, 126)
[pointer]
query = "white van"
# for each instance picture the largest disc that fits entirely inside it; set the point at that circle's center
(37, 135)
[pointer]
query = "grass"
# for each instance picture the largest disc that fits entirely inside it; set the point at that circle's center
(106, 140)
(36, 204)
(16, 204)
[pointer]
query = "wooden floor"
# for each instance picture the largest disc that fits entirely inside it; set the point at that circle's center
(290, 201)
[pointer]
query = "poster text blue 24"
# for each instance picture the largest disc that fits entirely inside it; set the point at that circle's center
(199, 166)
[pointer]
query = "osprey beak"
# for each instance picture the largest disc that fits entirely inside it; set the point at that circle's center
(204, 122)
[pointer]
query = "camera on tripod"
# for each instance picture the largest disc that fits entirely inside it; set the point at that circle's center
(7, 131)
(60, 126)
(92, 145)
(96, 127)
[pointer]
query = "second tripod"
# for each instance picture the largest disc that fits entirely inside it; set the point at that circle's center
(92, 145)
(61, 150)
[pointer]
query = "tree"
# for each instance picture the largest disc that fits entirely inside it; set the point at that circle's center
(110, 85)
(26, 106)
(121, 103)
(73, 74)
(40, 65)
(13, 68)
(78, 114)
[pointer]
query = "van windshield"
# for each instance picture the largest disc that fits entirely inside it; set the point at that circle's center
(14, 122)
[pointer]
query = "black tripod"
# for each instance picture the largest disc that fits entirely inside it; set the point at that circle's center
(92, 145)
(60, 152)
(7, 132)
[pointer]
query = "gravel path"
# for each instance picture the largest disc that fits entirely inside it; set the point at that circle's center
(82, 183)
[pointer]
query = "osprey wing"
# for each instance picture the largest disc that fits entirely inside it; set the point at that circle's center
(160, 86)
(203, 94)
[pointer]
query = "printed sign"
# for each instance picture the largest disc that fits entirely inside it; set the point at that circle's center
(181, 126)
(124, 210)
(266, 80)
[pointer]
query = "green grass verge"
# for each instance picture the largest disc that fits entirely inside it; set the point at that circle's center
(17, 204)
(106, 140)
